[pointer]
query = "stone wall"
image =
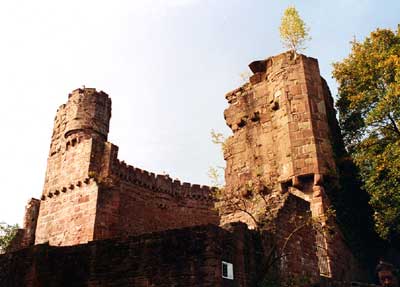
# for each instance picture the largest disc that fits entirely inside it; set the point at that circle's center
(185, 257)
(279, 124)
(90, 194)
(280, 160)
(281, 138)
(26, 235)
(68, 217)
(296, 240)
(143, 202)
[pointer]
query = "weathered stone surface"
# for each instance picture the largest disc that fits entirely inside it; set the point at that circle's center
(279, 124)
(89, 194)
(283, 124)
(26, 236)
(185, 257)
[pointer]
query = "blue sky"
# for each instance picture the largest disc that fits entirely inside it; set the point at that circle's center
(166, 65)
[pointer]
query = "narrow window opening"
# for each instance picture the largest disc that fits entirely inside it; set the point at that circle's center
(227, 270)
(322, 255)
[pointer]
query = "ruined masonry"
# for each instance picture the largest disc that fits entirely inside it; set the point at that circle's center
(102, 222)
(283, 123)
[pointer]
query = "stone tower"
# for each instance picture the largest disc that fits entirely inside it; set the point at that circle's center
(280, 129)
(280, 148)
(280, 161)
(79, 125)
(89, 194)
(76, 153)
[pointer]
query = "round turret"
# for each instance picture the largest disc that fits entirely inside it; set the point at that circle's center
(87, 114)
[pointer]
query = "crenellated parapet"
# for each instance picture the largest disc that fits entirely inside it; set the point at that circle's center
(90, 194)
(148, 180)
(279, 161)
(89, 112)
(162, 183)
(85, 115)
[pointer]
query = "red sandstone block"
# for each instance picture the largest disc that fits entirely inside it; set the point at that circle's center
(295, 89)
(83, 199)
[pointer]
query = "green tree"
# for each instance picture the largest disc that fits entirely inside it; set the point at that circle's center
(369, 116)
(293, 30)
(7, 233)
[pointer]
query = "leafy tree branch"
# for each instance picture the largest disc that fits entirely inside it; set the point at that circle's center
(369, 116)
(7, 234)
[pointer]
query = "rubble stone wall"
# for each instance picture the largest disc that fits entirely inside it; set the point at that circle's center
(185, 257)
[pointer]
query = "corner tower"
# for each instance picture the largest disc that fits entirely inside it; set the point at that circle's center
(89, 194)
(76, 153)
(81, 122)
(281, 137)
(281, 149)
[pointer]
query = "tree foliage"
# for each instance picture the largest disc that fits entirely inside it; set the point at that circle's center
(369, 116)
(7, 233)
(293, 30)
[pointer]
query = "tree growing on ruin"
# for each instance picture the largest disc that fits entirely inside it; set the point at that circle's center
(7, 234)
(293, 31)
(369, 116)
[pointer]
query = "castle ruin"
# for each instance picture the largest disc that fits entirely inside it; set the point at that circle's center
(280, 150)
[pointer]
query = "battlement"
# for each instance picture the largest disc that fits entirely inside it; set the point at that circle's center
(90, 194)
(88, 111)
(162, 183)
(144, 178)
(278, 161)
